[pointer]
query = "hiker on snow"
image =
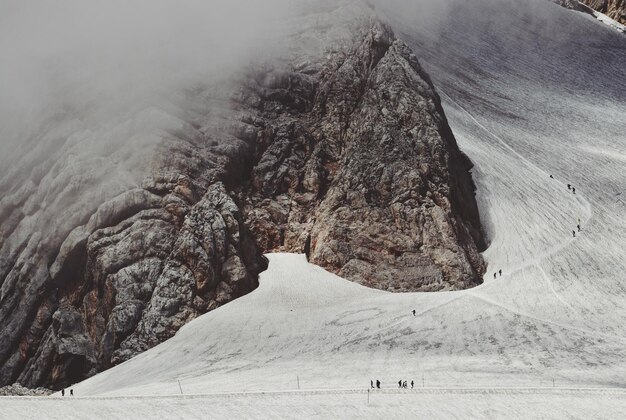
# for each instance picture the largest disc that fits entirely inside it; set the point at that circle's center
(500, 271)
(574, 233)
(412, 383)
(377, 384)
(569, 186)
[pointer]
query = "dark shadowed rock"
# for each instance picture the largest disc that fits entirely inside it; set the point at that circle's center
(358, 168)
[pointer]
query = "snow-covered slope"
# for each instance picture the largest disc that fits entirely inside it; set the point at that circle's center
(307, 327)
(530, 90)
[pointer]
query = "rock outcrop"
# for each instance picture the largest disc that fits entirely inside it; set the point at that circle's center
(615, 9)
(358, 168)
(17, 390)
(101, 283)
(339, 148)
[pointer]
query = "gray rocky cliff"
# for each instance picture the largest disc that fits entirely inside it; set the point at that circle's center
(338, 148)
(615, 9)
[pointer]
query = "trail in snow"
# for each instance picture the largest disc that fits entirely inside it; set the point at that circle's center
(586, 206)
(422, 403)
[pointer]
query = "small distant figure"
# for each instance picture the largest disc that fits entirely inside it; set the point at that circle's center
(569, 186)
(71, 392)
(495, 275)
(574, 190)
(372, 383)
(63, 392)
(500, 271)
(404, 385)
(551, 176)
(574, 233)
(578, 226)
(400, 384)
(412, 383)
(377, 384)
(413, 312)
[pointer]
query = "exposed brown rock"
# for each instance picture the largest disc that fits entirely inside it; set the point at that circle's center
(615, 9)
(359, 169)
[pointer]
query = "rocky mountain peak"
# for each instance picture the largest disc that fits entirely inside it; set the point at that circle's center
(338, 148)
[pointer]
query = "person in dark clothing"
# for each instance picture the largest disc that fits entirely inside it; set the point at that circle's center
(404, 385)
(412, 383)
(377, 384)
(578, 226)
(574, 190)
(574, 233)
(413, 312)
(495, 275)
(63, 393)
(569, 186)
(400, 384)
(372, 384)
(71, 392)
(500, 271)
(551, 177)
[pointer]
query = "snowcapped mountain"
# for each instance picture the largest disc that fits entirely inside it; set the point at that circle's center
(336, 146)
(535, 96)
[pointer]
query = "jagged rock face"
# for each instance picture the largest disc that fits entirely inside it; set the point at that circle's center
(615, 9)
(339, 148)
(358, 168)
(77, 299)
(570, 4)
(18, 390)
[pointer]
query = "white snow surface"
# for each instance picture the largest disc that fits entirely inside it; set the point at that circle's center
(544, 340)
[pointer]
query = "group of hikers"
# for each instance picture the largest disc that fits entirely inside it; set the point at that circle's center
(577, 227)
(63, 392)
(573, 190)
(401, 384)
